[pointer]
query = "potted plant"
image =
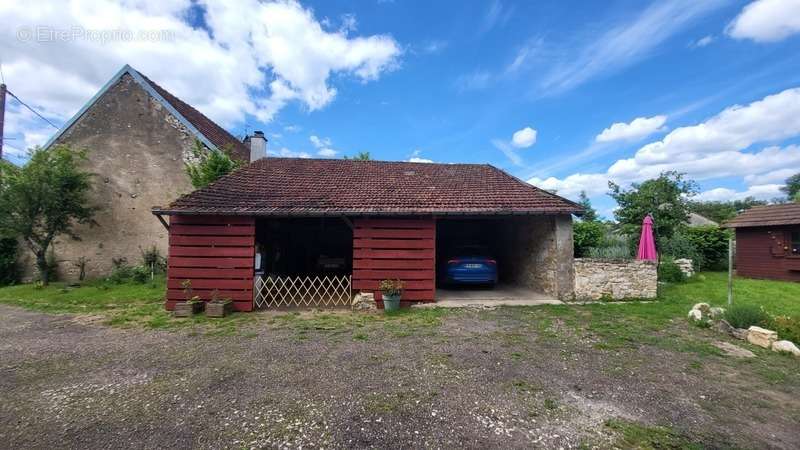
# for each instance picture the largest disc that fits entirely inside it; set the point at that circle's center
(191, 306)
(218, 307)
(391, 291)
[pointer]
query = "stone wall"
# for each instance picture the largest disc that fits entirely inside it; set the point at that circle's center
(537, 251)
(136, 153)
(619, 279)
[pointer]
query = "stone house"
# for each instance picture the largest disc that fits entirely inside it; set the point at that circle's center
(138, 137)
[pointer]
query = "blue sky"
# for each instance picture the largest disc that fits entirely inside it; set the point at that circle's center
(454, 81)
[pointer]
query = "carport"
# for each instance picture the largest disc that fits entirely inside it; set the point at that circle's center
(313, 232)
(528, 250)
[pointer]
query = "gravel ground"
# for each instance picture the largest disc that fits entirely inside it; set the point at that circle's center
(480, 379)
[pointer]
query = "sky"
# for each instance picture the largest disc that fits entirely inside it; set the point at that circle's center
(565, 95)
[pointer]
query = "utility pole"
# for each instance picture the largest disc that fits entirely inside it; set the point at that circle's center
(2, 115)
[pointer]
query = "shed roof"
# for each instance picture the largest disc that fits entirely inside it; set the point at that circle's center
(334, 187)
(206, 130)
(767, 216)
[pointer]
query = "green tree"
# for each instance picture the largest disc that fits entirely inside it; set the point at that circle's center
(586, 235)
(721, 211)
(360, 156)
(589, 214)
(210, 165)
(44, 199)
(792, 187)
(666, 198)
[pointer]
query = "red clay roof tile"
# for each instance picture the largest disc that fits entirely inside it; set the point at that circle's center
(316, 187)
(765, 216)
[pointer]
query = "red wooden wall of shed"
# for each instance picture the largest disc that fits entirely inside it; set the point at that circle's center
(214, 252)
(761, 253)
(395, 248)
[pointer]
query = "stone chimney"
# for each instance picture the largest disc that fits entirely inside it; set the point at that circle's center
(257, 144)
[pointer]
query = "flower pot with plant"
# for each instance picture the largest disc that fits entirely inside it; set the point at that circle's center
(191, 306)
(218, 307)
(391, 291)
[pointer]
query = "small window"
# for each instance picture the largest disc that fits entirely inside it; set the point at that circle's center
(796, 243)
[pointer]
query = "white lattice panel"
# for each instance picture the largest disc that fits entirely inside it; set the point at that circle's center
(276, 292)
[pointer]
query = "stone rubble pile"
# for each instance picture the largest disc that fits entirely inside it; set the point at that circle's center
(703, 312)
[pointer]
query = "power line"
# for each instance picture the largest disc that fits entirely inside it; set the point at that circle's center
(33, 110)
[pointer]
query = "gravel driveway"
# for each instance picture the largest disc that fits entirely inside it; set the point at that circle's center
(478, 379)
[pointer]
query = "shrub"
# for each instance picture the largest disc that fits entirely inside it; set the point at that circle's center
(123, 273)
(787, 328)
(587, 235)
(669, 272)
(613, 246)
(745, 316)
(9, 270)
(152, 259)
(679, 246)
(711, 243)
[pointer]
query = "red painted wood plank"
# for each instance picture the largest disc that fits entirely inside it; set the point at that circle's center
(422, 254)
(410, 284)
(195, 272)
(391, 263)
(175, 283)
(212, 230)
(231, 241)
(212, 220)
(206, 294)
(399, 244)
(394, 233)
(416, 274)
(220, 263)
(212, 251)
(394, 223)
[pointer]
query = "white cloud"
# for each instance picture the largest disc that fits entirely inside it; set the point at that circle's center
(292, 128)
(767, 21)
(286, 153)
(714, 149)
(434, 46)
(320, 142)
(473, 81)
(254, 58)
(508, 150)
(524, 138)
(415, 157)
(624, 43)
(323, 146)
(639, 128)
(759, 192)
(704, 41)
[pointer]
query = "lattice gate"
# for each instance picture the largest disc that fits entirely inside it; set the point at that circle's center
(285, 291)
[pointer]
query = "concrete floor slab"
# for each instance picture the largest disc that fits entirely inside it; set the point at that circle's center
(502, 295)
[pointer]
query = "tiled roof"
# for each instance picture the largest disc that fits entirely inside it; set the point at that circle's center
(213, 132)
(319, 187)
(766, 216)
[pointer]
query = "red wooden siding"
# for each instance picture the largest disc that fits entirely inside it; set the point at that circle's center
(761, 253)
(214, 252)
(395, 248)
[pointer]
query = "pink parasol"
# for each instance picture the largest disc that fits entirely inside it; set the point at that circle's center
(647, 245)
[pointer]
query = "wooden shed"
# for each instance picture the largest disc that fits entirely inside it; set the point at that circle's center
(289, 232)
(768, 242)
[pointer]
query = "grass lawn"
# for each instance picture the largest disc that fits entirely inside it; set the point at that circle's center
(129, 304)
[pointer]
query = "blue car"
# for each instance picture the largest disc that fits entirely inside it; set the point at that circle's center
(471, 265)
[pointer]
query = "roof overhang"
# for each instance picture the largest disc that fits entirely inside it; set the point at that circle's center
(362, 213)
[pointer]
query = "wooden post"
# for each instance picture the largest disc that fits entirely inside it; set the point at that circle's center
(730, 271)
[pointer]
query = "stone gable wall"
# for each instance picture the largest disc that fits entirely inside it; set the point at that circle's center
(618, 279)
(136, 151)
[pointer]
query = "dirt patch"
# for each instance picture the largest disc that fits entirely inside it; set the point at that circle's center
(510, 378)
